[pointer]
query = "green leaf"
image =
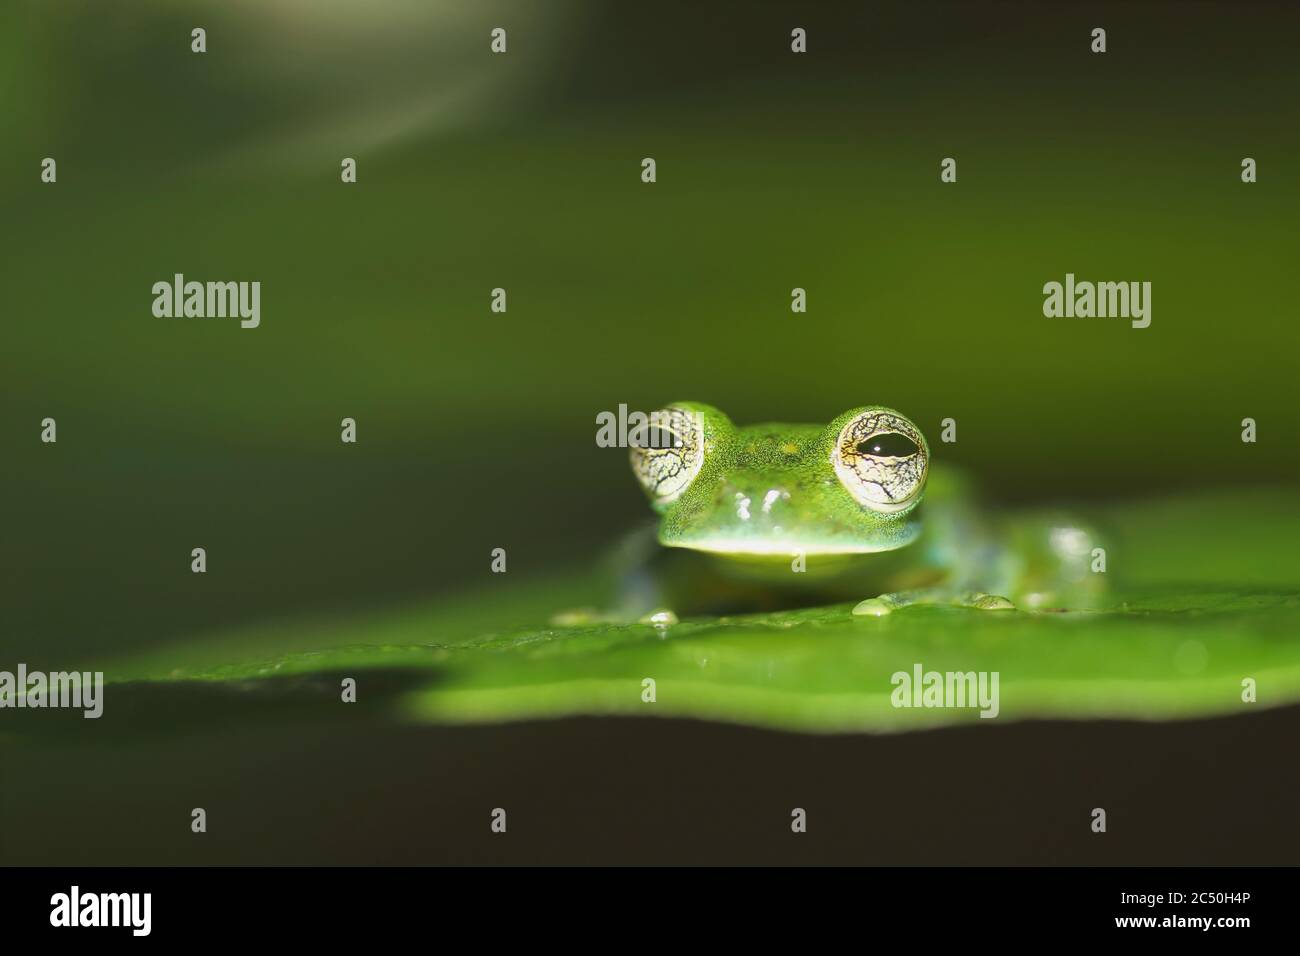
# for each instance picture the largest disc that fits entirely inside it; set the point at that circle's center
(1164, 650)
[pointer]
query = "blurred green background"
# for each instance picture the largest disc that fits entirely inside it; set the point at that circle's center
(476, 429)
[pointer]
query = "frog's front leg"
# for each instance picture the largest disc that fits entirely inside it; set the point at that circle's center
(887, 603)
(649, 584)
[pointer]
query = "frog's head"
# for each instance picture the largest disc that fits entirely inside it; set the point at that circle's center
(850, 487)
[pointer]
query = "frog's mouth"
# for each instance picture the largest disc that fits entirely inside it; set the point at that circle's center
(759, 548)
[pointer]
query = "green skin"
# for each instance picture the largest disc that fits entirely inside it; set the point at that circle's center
(767, 523)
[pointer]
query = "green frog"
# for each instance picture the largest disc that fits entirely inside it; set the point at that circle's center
(774, 516)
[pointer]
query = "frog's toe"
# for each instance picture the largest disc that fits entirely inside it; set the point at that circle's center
(577, 617)
(874, 607)
(989, 602)
(660, 617)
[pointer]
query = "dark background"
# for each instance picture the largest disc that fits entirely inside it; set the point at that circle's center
(667, 791)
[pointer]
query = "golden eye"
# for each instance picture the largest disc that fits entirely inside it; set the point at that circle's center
(882, 459)
(667, 452)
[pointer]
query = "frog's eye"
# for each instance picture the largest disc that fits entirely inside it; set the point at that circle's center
(667, 452)
(882, 458)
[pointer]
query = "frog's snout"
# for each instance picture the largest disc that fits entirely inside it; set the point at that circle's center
(744, 516)
(759, 506)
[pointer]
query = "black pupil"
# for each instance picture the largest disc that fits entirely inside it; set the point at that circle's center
(888, 445)
(657, 437)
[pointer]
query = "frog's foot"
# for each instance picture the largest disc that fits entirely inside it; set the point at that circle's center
(983, 601)
(659, 617)
(579, 617)
(589, 617)
(877, 606)
(888, 603)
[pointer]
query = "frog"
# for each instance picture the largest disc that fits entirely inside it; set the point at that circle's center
(777, 516)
